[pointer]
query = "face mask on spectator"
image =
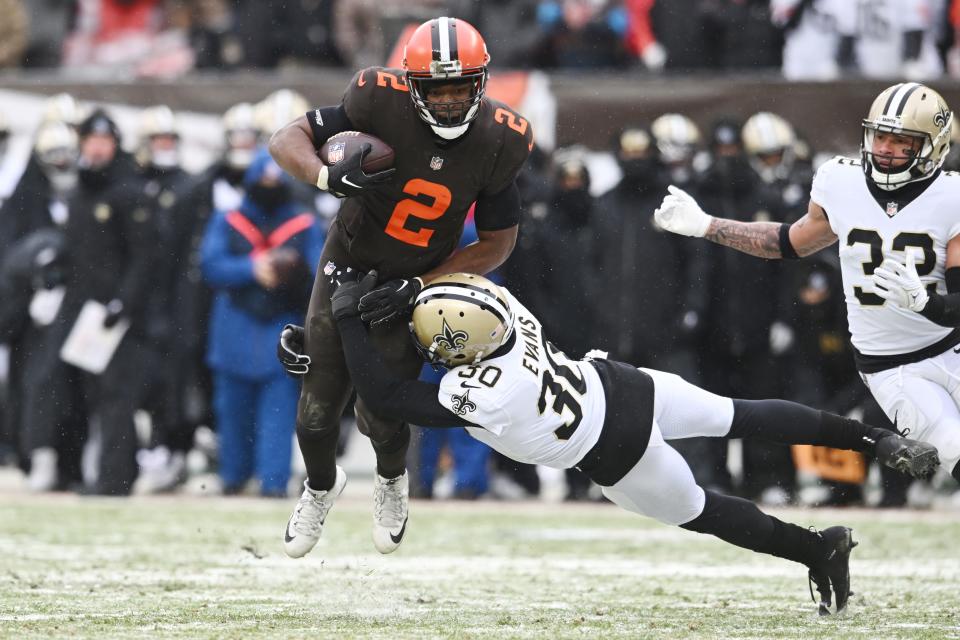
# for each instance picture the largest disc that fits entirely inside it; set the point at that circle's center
(94, 176)
(575, 205)
(165, 158)
(638, 170)
(735, 167)
(62, 180)
(269, 197)
(680, 174)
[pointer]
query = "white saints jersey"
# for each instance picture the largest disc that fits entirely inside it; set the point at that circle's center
(868, 233)
(533, 403)
(810, 47)
(881, 25)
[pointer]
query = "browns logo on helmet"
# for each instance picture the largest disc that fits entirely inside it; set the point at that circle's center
(446, 54)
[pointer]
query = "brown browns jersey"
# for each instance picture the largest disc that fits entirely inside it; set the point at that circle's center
(411, 223)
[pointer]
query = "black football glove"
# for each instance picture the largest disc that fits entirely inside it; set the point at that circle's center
(347, 178)
(290, 351)
(390, 301)
(348, 288)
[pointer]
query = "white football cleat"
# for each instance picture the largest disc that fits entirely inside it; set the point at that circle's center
(305, 525)
(390, 511)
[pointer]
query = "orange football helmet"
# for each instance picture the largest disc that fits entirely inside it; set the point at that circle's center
(446, 56)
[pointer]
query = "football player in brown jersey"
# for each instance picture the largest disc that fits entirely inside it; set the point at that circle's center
(454, 147)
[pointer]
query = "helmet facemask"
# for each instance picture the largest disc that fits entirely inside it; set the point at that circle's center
(452, 114)
(892, 172)
(918, 113)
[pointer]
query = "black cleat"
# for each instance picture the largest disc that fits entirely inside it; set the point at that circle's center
(834, 570)
(912, 457)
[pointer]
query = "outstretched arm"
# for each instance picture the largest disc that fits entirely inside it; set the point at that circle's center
(681, 214)
(384, 392)
(809, 234)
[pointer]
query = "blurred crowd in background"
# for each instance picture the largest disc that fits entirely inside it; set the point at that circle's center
(205, 268)
(201, 269)
(808, 39)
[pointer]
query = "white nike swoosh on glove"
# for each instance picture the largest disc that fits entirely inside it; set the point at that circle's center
(345, 180)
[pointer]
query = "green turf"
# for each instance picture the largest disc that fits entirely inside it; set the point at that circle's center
(195, 568)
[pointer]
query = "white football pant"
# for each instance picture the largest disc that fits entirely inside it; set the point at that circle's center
(661, 485)
(923, 398)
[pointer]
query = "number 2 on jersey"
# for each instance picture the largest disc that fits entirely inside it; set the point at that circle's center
(903, 240)
(396, 226)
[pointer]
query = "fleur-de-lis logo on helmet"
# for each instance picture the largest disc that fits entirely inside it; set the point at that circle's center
(942, 116)
(461, 405)
(451, 340)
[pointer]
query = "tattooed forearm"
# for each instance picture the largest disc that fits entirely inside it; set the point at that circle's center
(760, 239)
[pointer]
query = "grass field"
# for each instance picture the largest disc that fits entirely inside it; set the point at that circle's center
(214, 568)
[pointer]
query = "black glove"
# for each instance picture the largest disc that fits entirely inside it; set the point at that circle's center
(348, 289)
(347, 178)
(391, 300)
(114, 313)
(290, 351)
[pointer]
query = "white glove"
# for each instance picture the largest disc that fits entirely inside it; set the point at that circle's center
(681, 214)
(900, 284)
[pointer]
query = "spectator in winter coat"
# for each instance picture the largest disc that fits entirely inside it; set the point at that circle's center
(259, 260)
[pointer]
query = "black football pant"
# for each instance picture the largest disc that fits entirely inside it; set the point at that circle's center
(113, 397)
(327, 388)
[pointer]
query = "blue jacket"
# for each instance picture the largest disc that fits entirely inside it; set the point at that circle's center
(246, 317)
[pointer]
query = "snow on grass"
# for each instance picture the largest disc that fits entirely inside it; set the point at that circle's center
(188, 568)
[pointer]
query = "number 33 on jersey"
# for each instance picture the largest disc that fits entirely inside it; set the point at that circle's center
(869, 232)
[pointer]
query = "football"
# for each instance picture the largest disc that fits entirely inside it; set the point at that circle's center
(344, 144)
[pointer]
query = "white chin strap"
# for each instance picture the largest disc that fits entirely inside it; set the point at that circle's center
(450, 133)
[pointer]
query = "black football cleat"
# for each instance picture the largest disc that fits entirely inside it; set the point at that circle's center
(832, 574)
(911, 457)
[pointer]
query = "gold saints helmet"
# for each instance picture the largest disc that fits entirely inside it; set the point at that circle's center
(277, 110)
(154, 122)
(460, 318)
(769, 142)
(914, 110)
(677, 137)
(240, 135)
(62, 107)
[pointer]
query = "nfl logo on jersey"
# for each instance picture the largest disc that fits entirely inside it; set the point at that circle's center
(436, 162)
(336, 152)
(892, 208)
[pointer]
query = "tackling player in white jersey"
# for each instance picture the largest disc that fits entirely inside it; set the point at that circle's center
(511, 388)
(895, 215)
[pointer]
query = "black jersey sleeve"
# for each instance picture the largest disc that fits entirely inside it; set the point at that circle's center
(385, 393)
(944, 310)
(500, 210)
(326, 122)
(516, 146)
